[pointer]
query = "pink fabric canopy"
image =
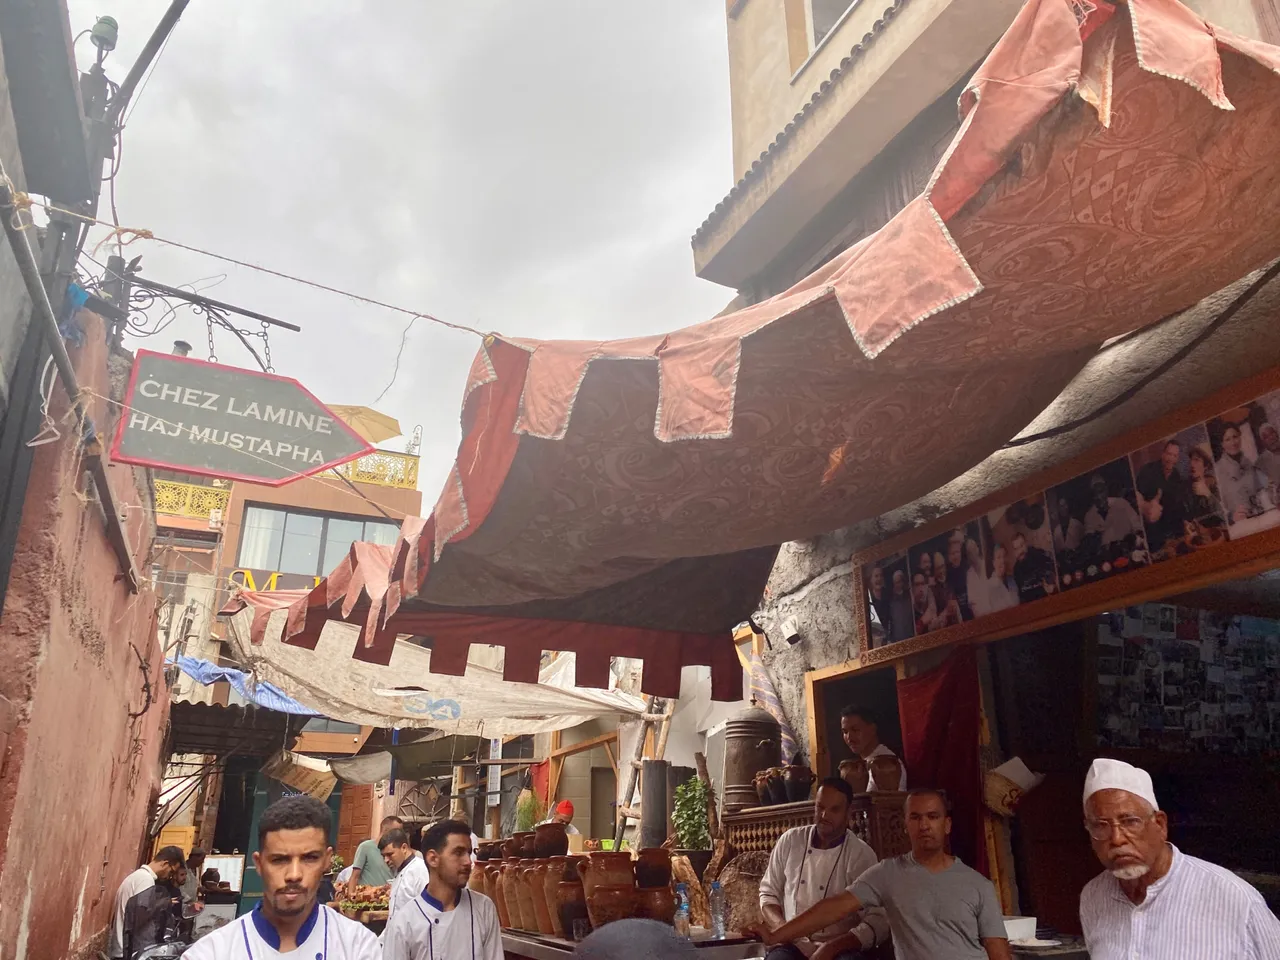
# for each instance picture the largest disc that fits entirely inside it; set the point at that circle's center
(1110, 170)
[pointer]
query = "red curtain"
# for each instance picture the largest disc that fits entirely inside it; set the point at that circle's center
(540, 777)
(940, 713)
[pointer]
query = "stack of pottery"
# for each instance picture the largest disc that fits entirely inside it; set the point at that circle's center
(550, 840)
(653, 881)
(887, 770)
(609, 881)
(771, 786)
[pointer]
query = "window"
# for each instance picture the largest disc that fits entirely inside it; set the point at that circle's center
(308, 544)
(325, 725)
(826, 14)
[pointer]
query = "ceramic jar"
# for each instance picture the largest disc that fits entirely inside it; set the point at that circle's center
(524, 845)
(476, 880)
(528, 916)
(537, 879)
(777, 786)
(855, 773)
(510, 893)
(797, 781)
(572, 865)
(610, 902)
(888, 772)
(571, 903)
(550, 840)
(551, 883)
(510, 848)
(656, 903)
(606, 869)
(653, 868)
(761, 783)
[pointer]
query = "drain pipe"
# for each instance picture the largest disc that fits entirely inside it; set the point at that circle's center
(91, 440)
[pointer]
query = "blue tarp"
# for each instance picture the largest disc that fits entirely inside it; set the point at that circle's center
(263, 694)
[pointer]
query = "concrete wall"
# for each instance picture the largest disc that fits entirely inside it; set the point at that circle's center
(78, 772)
(575, 778)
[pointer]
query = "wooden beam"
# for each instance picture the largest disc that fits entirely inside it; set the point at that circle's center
(556, 768)
(613, 761)
(584, 745)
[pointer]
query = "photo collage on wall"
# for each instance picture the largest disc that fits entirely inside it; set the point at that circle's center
(1191, 491)
(1186, 680)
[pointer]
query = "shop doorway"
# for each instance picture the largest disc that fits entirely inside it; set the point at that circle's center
(874, 690)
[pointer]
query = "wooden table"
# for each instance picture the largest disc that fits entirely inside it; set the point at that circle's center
(1072, 948)
(516, 945)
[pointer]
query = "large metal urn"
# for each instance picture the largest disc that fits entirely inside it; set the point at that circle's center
(752, 742)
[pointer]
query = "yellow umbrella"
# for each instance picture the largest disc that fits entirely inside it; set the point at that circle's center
(370, 424)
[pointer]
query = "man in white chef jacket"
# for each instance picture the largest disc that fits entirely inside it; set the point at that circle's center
(410, 869)
(862, 735)
(293, 854)
(809, 864)
(448, 921)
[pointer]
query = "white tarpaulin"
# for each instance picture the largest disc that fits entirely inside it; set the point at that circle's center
(405, 693)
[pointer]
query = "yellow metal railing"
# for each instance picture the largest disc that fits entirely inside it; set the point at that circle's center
(189, 499)
(384, 468)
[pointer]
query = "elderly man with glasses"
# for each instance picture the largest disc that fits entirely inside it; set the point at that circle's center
(1152, 900)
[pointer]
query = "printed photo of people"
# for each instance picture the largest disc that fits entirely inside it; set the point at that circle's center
(953, 567)
(1246, 451)
(890, 615)
(1178, 496)
(1097, 530)
(1022, 553)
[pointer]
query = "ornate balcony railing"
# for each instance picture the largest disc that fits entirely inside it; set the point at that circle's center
(189, 499)
(384, 468)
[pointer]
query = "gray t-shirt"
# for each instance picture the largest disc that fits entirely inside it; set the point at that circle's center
(933, 916)
(374, 871)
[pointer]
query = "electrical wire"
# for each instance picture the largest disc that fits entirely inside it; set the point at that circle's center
(1181, 354)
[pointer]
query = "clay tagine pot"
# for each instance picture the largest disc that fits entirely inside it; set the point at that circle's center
(610, 902)
(656, 903)
(571, 901)
(855, 774)
(653, 868)
(550, 840)
(798, 781)
(761, 782)
(606, 869)
(887, 772)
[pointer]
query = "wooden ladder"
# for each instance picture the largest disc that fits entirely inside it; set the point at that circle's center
(656, 711)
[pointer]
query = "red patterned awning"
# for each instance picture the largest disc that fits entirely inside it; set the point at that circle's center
(1115, 165)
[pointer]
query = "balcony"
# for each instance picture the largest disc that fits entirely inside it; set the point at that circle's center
(189, 499)
(383, 468)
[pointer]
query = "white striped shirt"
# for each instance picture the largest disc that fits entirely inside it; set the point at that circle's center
(1195, 911)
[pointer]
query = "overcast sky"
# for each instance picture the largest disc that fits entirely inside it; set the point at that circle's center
(534, 167)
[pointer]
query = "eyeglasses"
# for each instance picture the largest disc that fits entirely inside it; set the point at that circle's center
(1129, 826)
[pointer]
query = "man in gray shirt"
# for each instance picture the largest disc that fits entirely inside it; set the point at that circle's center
(938, 908)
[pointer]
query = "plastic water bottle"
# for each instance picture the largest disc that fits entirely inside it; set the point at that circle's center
(682, 911)
(717, 910)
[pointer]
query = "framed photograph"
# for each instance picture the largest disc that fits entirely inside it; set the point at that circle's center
(1097, 530)
(890, 613)
(1022, 552)
(953, 566)
(1177, 494)
(1245, 443)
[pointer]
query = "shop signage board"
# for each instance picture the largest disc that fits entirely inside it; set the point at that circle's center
(494, 787)
(217, 421)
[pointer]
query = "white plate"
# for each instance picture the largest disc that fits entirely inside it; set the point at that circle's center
(1035, 943)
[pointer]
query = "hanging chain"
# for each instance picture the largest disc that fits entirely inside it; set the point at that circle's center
(266, 346)
(213, 352)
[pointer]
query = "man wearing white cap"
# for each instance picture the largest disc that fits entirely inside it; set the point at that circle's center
(1153, 902)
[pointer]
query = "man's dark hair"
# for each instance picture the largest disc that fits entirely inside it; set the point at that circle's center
(862, 713)
(211, 876)
(395, 837)
(294, 813)
(839, 785)
(929, 792)
(389, 822)
(438, 835)
(195, 856)
(170, 855)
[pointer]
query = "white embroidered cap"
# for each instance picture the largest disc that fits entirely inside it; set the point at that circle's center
(1107, 774)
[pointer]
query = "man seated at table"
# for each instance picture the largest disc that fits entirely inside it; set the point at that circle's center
(938, 908)
(809, 864)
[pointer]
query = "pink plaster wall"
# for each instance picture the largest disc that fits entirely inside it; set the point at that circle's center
(77, 774)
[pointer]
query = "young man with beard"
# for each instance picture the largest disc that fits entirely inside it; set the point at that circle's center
(810, 863)
(293, 854)
(448, 921)
(938, 907)
(1152, 900)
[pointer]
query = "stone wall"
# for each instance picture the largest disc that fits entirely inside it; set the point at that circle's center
(77, 770)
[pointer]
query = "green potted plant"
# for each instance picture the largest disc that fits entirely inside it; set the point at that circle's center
(692, 826)
(529, 810)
